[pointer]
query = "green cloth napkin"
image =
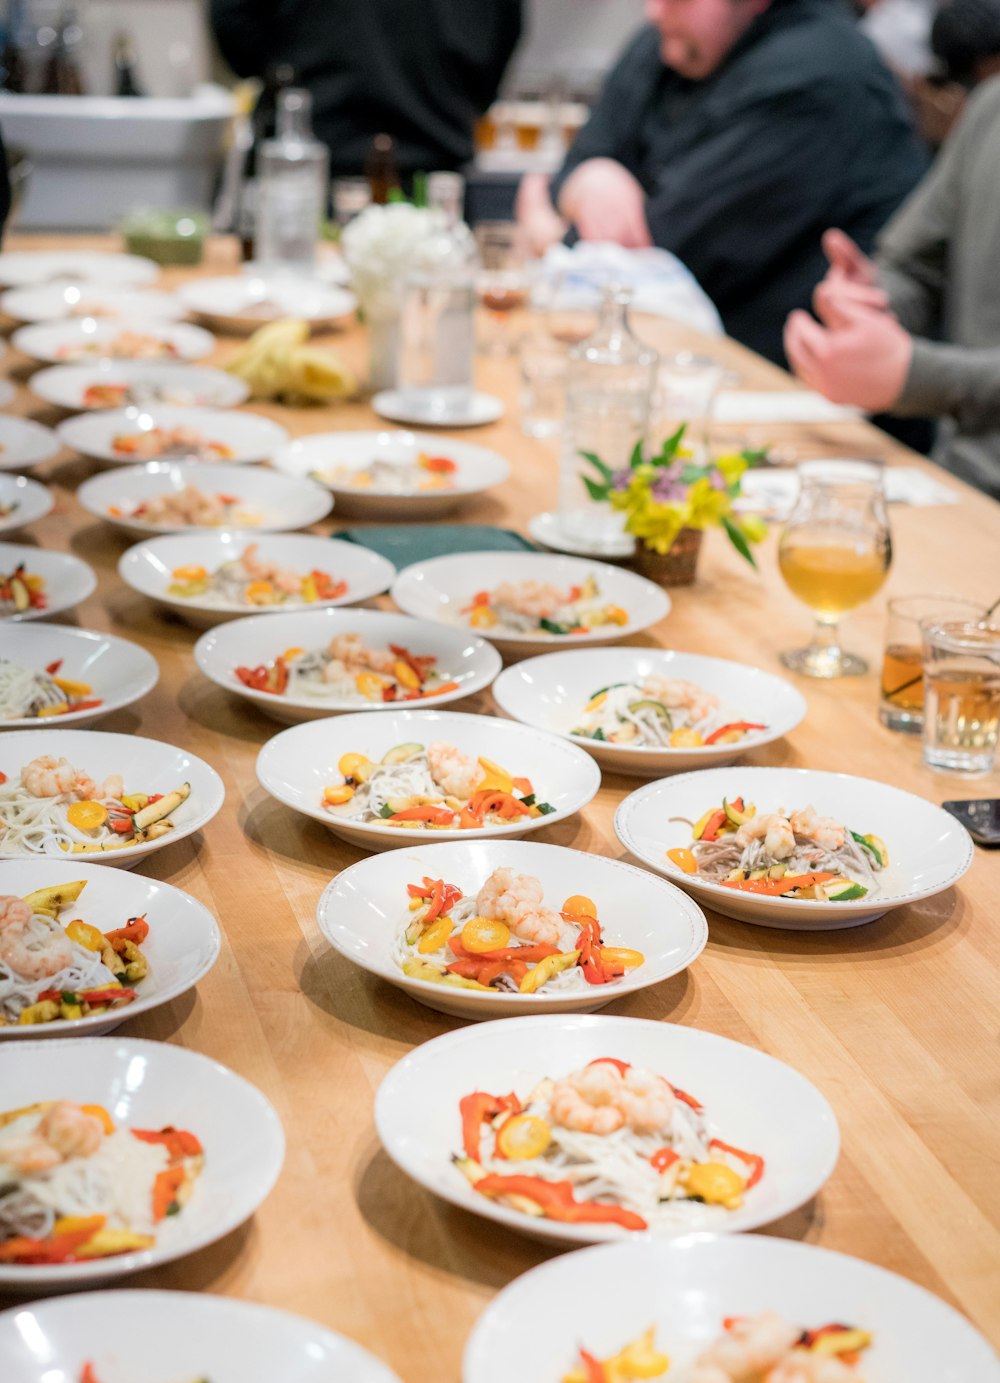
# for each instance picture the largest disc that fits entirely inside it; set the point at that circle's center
(406, 543)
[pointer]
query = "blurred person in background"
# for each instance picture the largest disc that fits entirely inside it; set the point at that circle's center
(732, 132)
(916, 331)
(965, 40)
(422, 71)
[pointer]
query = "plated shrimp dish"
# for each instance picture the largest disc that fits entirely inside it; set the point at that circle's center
(127, 345)
(349, 672)
(53, 970)
(27, 694)
(22, 590)
(437, 787)
(170, 444)
(797, 854)
(189, 508)
(504, 937)
(250, 581)
(609, 1144)
(540, 608)
(52, 808)
(381, 476)
(74, 1186)
(660, 713)
(750, 1349)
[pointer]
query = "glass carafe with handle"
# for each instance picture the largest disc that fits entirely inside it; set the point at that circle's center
(834, 555)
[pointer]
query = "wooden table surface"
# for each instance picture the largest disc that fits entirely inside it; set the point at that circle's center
(896, 1022)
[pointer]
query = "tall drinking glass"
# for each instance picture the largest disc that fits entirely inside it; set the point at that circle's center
(901, 705)
(686, 390)
(961, 694)
(834, 555)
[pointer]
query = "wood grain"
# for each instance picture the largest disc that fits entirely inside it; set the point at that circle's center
(896, 1022)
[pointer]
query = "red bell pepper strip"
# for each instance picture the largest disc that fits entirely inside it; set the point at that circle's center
(505, 804)
(773, 888)
(253, 677)
(486, 971)
(54, 667)
(107, 996)
(440, 465)
(57, 1248)
(742, 725)
(753, 1160)
(280, 679)
(165, 1188)
(136, 931)
(717, 819)
(475, 1109)
(121, 822)
(435, 816)
(622, 1066)
(437, 901)
(178, 1142)
(593, 971)
(664, 1158)
(469, 821)
(90, 705)
(434, 691)
(592, 1367)
(88, 1375)
(3, 777)
(523, 786)
(687, 1099)
(557, 1201)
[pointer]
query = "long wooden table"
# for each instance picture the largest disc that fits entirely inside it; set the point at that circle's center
(896, 1022)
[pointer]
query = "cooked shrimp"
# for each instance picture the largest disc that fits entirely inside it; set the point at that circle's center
(537, 599)
(647, 1100)
(457, 774)
(48, 777)
(824, 830)
(679, 695)
(600, 1099)
(748, 1348)
(803, 1366)
(507, 896)
(775, 831)
(542, 924)
(30, 957)
(64, 1131)
(352, 651)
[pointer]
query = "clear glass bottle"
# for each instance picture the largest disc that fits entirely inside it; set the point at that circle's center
(610, 381)
(294, 179)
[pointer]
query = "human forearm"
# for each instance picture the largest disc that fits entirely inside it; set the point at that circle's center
(960, 382)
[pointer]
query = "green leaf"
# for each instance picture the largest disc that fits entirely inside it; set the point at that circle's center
(600, 466)
(594, 489)
(691, 473)
(754, 458)
(636, 458)
(670, 446)
(738, 541)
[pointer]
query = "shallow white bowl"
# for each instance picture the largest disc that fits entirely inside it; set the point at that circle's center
(751, 1100)
(148, 1336)
(21, 267)
(251, 437)
(187, 386)
(147, 766)
(147, 568)
(68, 581)
(56, 342)
(281, 502)
(24, 443)
(685, 1287)
(441, 588)
(149, 1085)
(32, 501)
(479, 469)
(55, 302)
(551, 692)
(298, 764)
(363, 909)
(119, 672)
(182, 946)
(234, 304)
(929, 850)
(470, 662)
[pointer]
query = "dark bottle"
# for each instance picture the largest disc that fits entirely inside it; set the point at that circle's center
(12, 60)
(381, 169)
(61, 76)
(263, 126)
(126, 77)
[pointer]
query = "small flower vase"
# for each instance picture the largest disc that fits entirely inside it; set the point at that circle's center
(383, 349)
(676, 567)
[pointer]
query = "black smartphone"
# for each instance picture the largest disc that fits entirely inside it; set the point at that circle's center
(981, 818)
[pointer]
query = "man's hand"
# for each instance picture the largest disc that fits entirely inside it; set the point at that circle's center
(848, 263)
(539, 225)
(860, 356)
(605, 202)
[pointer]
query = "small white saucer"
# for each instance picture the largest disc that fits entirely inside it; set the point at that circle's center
(544, 528)
(473, 410)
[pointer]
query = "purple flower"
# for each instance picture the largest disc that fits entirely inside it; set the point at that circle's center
(717, 480)
(668, 487)
(621, 479)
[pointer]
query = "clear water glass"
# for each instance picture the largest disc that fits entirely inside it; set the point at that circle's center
(901, 700)
(543, 366)
(961, 694)
(436, 340)
(687, 386)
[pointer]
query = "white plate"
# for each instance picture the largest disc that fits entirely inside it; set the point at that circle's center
(244, 302)
(187, 386)
(298, 764)
(25, 443)
(363, 909)
(54, 302)
(32, 501)
(436, 410)
(545, 529)
(551, 692)
(162, 1337)
(7, 390)
(472, 663)
(68, 581)
(147, 766)
(147, 568)
(685, 1287)
(22, 267)
(182, 946)
(57, 342)
(119, 672)
(751, 1100)
(150, 1085)
(330, 268)
(281, 502)
(442, 587)
(929, 850)
(479, 469)
(251, 437)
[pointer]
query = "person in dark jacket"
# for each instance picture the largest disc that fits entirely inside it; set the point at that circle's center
(422, 71)
(729, 132)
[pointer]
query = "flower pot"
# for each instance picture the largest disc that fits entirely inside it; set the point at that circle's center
(678, 567)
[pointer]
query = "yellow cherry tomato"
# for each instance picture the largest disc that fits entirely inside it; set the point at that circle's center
(87, 816)
(355, 766)
(335, 797)
(686, 739)
(715, 1184)
(614, 614)
(291, 653)
(260, 593)
(85, 935)
(370, 685)
(482, 617)
(405, 675)
(524, 1136)
(617, 956)
(482, 934)
(190, 573)
(580, 906)
(435, 936)
(684, 860)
